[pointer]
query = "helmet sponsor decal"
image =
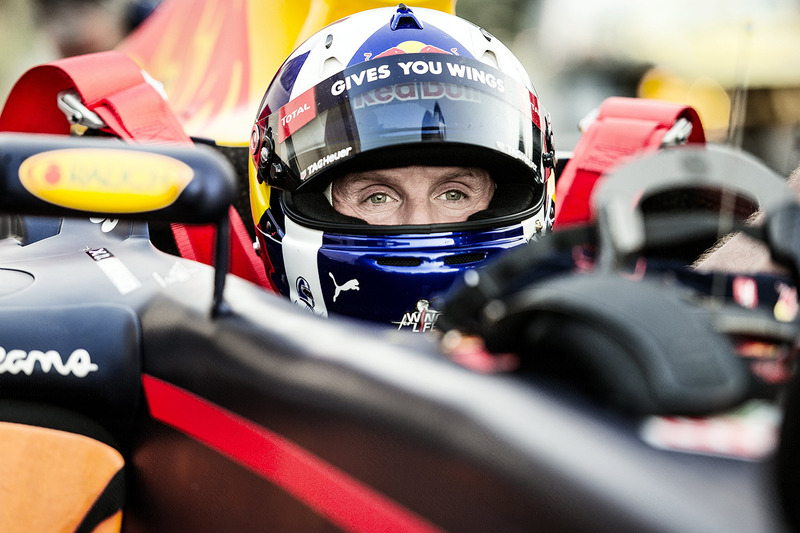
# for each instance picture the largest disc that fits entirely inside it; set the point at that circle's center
(79, 363)
(516, 153)
(420, 320)
(461, 71)
(397, 69)
(427, 90)
(457, 71)
(386, 42)
(536, 112)
(322, 162)
(350, 285)
(410, 47)
(296, 114)
(305, 298)
(105, 180)
(369, 75)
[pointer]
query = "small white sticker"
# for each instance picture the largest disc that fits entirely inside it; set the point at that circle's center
(115, 270)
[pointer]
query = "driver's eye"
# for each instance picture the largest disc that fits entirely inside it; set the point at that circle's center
(453, 195)
(378, 198)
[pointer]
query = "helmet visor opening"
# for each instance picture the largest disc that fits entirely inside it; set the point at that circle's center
(408, 99)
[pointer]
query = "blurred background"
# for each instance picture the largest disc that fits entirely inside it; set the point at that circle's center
(37, 31)
(698, 52)
(715, 55)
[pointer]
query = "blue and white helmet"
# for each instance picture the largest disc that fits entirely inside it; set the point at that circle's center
(394, 87)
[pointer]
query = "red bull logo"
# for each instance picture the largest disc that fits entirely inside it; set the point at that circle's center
(416, 91)
(410, 47)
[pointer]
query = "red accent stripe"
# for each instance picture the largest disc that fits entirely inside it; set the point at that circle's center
(343, 500)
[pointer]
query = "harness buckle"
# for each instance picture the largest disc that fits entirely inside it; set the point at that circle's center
(77, 113)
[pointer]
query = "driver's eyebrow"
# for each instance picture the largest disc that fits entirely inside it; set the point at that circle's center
(367, 175)
(364, 175)
(461, 173)
(476, 177)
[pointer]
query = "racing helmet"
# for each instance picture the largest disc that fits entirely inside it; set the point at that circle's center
(392, 88)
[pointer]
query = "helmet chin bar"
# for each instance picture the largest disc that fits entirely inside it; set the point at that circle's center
(392, 272)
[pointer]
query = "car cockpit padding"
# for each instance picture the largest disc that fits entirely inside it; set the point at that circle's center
(84, 357)
(628, 343)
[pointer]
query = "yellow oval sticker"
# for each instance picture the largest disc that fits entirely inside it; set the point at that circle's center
(106, 180)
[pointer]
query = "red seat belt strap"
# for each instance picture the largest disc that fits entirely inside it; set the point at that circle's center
(109, 83)
(624, 128)
(197, 243)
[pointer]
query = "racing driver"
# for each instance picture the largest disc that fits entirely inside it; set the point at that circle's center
(393, 150)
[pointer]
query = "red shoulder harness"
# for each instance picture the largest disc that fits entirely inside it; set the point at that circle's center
(623, 128)
(112, 86)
